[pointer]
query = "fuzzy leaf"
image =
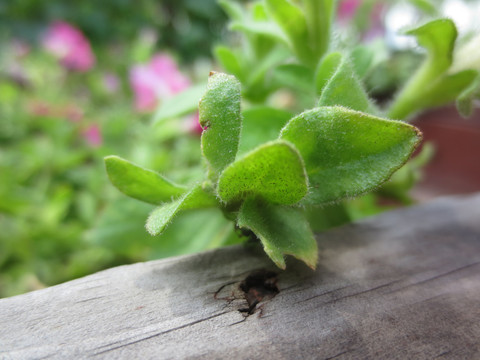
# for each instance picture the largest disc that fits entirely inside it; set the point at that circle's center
(260, 125)
(344, 89)
(273, 171)
(282, 230)
(162, 216)
(325, 70)
(362, 58)
(220, 112)
(140, 183)
(180, 104)
(346, 152)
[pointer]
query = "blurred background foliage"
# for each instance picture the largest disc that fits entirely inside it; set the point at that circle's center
(188, 26)
(59, 216)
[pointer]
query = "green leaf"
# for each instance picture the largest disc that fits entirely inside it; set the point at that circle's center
(325, 70)
(232, 8)
(346, 152)
(162, 216)
(293, 23)
(447, 89)
(229, 61)
(297, 77)
(438, 37)
(220, 113)
(282, 230)
(180, 104)
(140, 183)
(260, 125)
(344, 89)
(362, 58)
(427, 6)
(319, 14)
(465, 99)
(273, 171)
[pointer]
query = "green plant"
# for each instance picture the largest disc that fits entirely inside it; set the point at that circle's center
(320, 156)
(272, 173)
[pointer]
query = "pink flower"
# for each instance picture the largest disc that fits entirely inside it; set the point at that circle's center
(69, 45)
(347, 9)
(157, 80)
(92, 135)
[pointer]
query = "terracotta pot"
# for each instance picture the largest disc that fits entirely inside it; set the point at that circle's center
(455, 167)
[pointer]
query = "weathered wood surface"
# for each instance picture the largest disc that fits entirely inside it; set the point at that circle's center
(403, 285)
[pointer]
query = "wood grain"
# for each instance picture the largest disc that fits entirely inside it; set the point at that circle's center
(403, 285)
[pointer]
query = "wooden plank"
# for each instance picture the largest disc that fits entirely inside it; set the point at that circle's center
(404, 285)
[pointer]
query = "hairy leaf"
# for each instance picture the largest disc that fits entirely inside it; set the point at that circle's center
(161, 217)
(344, 89)
(325, 70)
(282, 230)
(220, 113)
(273, 171)
(346, 152)
(140, 183)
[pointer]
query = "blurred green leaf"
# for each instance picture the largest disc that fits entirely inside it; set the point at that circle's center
(260, 125)
(346, 152)
(220, 114)
(447, 89)
(232, 8)
(229, 62)
(273, 171)
(282, 230)
(292, 21)
(466, 98)
(319, 14)
(140, 183)
(180, 104)
(162, 216)
(438, 38)
(295, 76)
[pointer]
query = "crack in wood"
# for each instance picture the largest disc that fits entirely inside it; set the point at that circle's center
(436, 277)
(90, 299)
(339, 354)
(159, 334)
(324, 293)
(362, 292)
